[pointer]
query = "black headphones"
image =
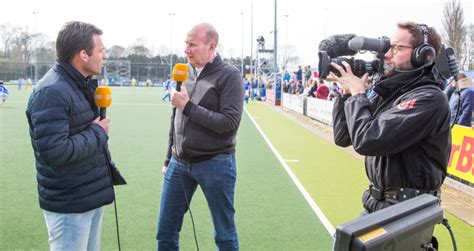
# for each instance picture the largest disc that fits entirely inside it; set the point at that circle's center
(424, 54)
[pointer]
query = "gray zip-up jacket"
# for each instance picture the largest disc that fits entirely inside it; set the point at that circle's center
(208, 124)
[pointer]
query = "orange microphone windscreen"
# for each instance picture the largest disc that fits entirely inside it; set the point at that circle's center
(103, 96)
(180, 72)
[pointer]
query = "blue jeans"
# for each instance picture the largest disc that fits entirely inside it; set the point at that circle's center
(217, 178)
(74, 231)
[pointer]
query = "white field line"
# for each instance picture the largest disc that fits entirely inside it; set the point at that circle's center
(138, 104)
(292, 160)
(298, 184)
(113, 103)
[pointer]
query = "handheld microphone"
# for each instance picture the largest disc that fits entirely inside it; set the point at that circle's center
(180, 74)
(454, 71)
(103, 99)
(452, 64)
(369, 44)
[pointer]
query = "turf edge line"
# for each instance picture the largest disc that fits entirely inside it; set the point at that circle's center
(298, 184)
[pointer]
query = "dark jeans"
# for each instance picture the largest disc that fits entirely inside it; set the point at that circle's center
(217, 178)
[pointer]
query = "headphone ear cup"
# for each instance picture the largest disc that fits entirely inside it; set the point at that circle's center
(423, 54)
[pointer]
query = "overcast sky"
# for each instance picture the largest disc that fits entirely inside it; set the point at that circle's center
(303, 23)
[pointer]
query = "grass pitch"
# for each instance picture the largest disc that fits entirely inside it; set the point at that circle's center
(271, 213)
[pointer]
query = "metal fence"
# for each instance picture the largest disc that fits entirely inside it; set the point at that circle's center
(16, 70)
(113, 70)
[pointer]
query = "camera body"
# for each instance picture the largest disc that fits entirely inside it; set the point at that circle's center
(332, 48)
(359, 67)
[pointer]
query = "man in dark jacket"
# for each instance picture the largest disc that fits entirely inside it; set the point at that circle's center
(70, 142)
(202, 142)
(465, 100)
(299, 74)
(404, 133)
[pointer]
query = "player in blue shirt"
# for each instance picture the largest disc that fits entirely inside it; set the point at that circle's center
(246, 90)
(167, 87)
(3, 92)
(254, 89)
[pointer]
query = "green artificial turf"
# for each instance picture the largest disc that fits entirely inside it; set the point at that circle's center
(334, 178)
(271, 214)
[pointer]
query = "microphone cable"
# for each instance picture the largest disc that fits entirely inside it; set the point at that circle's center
(190, 213)
(185, 194)
(115, 200)
(116, 222)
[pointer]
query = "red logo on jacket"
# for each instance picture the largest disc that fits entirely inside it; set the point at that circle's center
(407, 104)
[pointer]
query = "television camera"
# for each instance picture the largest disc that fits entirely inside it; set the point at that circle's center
(332, 48)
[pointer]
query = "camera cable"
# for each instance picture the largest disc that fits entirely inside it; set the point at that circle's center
(446, 224)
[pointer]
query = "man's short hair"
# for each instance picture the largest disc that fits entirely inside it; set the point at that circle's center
(73, 37)
(434, 39)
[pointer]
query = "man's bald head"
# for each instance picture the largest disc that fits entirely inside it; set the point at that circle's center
(201, 45)
(206, 30)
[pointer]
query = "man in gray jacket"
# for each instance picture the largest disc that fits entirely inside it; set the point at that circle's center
(70, 142)
(202, 142)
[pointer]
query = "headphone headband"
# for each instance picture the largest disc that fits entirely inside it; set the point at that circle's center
(424, 32)
(424, 54)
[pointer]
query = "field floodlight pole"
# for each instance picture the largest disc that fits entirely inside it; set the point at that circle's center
(171, 41)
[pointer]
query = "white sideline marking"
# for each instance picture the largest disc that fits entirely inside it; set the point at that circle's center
(113, 103)
(292, 160)
(146, 104)
(298, 184)
(16, 101)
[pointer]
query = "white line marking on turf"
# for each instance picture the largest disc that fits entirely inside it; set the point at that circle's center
(298, 184)
(145, 104)
(16, 102)
(292, 160)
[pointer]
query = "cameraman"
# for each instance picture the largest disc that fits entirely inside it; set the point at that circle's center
(404, 132)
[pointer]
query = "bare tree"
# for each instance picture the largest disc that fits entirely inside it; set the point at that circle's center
(454, 30)
(7, 32)
(24, 43)
(116, 52)
(163, 50)
(139, 48)
(44, 49)
(470, 48)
